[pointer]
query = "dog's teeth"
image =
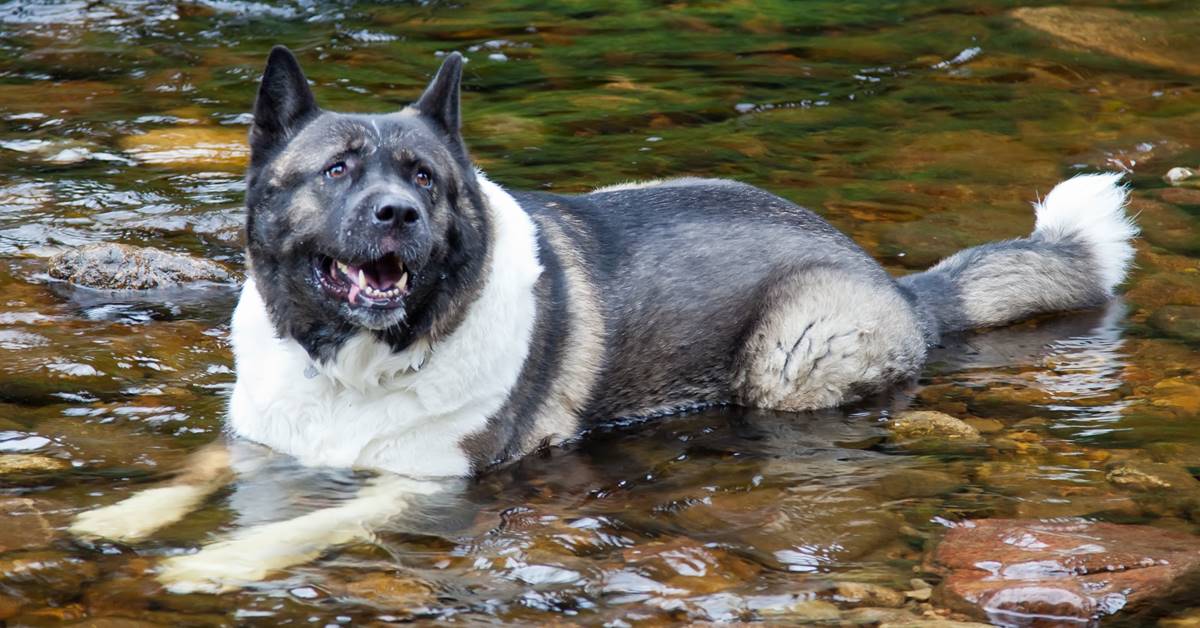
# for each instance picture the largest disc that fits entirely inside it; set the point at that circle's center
(362, 279)
(400, 285)
(344, 268)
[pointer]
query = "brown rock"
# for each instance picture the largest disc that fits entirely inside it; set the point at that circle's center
(1151, 476)
(26, 524)
(389, 591)
(868, 616)
(928, 424)
(688, 565)
(1180, 196)
(190, 146)
(30, 463)
(1065, 571)
(863, 594)
(808, 611)
(122, 267)
(909, 483)
(985, 426)
(1178, 393)
(45, 575)
(1122, 34)
(1181, 321)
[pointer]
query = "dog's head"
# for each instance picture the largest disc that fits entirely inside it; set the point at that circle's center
(361, 222)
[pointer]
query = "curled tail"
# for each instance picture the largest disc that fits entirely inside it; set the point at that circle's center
(1078, 252)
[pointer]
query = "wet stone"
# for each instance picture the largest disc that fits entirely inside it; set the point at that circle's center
(985, 426)
(27, 523)
(30, 463)
(1181, 321)
(123, 267)
(688, 565)
(809, 611)
(1151, 476)
(1180, 196)
(1180, 175)
(1177, 393)
(926, 424)
(1065, 570)
(388, 591)
(908, 483)
(1122, 34)
(56, 575)
(868, 616)
(864, 594)
(190, 146)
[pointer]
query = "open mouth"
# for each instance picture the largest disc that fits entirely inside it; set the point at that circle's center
(381, 282)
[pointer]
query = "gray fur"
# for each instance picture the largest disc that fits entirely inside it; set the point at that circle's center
(1000, 282)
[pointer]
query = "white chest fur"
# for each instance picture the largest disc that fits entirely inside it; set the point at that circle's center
(400, 412)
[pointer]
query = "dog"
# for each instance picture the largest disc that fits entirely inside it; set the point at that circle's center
(405, 314)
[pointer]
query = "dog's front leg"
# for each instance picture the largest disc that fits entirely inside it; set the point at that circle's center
(148, 511)
(252, 554)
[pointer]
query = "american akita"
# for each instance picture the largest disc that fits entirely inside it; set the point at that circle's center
(403, 313)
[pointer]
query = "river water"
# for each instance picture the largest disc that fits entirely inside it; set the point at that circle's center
(917, 127)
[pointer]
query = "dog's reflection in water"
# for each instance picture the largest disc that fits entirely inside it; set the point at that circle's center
(285, 514)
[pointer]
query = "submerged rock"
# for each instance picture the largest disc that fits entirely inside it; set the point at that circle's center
(190, 146)
(56, 575)
(123, 267)
(1122, 34)
(927, 424)
(1151, 476)
(388, 591)
(27, 523)
(865, 594)
(30, 463)
(1065, 571)
(1181, 321)
(1180, 175)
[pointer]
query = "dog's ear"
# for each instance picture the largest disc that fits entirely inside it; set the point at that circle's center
(284, 103)
(440, 100)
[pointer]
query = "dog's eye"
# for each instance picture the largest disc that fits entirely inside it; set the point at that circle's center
(336, 170)
(423, 179)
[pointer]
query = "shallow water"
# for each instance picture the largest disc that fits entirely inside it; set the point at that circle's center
(917, 127)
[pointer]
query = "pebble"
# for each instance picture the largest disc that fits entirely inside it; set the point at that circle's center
(1178, 175)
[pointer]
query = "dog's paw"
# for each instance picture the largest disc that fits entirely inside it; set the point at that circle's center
(138, 517)
(218, 568)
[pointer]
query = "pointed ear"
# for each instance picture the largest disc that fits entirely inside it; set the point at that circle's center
(284, 103)
(440, 100)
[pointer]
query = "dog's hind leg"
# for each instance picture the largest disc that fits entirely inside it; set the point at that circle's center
(252, 554)
(148, 511)
(826, 337)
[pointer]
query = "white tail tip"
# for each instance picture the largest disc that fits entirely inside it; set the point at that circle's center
(1091, 208)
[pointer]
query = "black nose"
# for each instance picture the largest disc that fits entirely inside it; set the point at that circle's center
(393, 213)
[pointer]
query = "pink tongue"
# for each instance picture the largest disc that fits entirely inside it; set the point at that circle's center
(354, 289)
